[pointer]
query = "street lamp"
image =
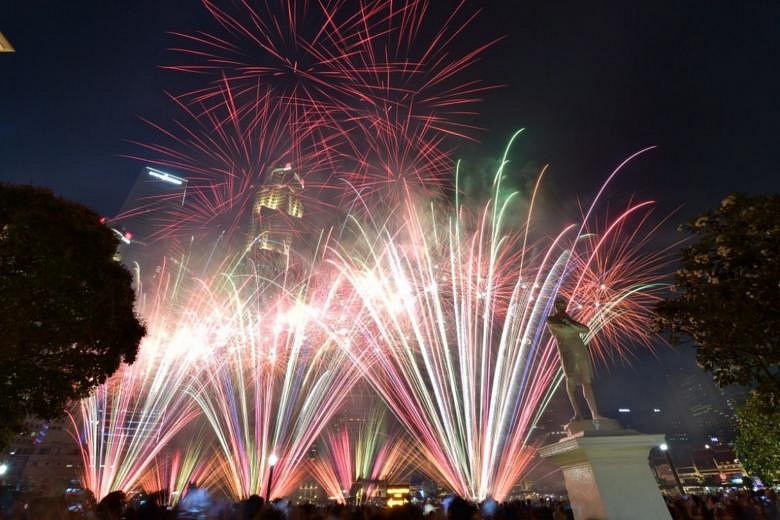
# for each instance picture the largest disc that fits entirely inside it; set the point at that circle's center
(665, 448)
(272, 460)
(3, 469)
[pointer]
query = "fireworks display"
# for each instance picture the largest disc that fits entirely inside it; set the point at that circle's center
(176, 472)
(280, 380)
(352, 461)
(125, 424)
(332, 126)
(380, 83)
(455, 308)
(227, 152)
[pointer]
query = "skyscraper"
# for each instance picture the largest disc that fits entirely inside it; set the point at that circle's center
(276, 212)
(703, 409)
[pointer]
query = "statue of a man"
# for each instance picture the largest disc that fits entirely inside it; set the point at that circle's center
(577, 367)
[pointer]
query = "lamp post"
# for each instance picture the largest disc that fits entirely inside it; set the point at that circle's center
(665, 448)
(272, 460)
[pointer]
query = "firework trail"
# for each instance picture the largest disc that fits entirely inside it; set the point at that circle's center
(442, 311)
(364, 457)
(386, 76)
(175, 471)
(125, 424)
(279, 381)
(388, 155)
(240, 351)
(467, 365)
(226, 153)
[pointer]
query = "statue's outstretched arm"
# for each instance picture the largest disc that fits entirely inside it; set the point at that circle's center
(581, 327)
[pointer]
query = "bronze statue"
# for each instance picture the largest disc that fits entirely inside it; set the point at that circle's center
(577, 367)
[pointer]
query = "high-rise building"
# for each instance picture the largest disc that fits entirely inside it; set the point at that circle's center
(43, 461)
(277, 211)
(703, 409)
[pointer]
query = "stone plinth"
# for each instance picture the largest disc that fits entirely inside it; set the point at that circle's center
(605, 425)
(607, 474)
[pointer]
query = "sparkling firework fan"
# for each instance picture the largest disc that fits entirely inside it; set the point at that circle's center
(465, 365)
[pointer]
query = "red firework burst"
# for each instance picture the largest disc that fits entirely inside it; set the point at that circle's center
(382, 73)
(226, 151)
(393, 152)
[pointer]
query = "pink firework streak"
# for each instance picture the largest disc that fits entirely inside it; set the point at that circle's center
(122, 428)
(225, 154)
(389, 78)
(175, 472)
(465, 365)
(279, 380)
(358, 459)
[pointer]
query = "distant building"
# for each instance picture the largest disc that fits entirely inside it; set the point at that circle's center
(699, 470)
(309, 492)
(44, 461)
(703, 410)
(689, 409)
(277, 211)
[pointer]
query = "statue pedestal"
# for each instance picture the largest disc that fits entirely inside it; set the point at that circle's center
(606, 472)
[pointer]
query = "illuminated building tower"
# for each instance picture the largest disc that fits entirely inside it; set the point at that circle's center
(276, 212)
(43, 461)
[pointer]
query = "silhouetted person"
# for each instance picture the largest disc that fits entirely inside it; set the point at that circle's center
(110, 508)
(251, 507)
(460, 510)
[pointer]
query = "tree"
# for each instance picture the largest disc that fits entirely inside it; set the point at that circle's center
(728, 294)
(66, 306)
(758, 438)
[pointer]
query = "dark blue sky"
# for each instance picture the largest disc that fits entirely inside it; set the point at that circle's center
(591, 83)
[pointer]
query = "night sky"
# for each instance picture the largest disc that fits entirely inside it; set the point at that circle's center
(590, 83)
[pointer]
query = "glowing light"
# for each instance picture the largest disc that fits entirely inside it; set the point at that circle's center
(126, 238)
(398, 495)
(165, 177)
(371, 453)
(469, 368)
(251, 360)
(173, 474)
(284, 378)
(5, 45)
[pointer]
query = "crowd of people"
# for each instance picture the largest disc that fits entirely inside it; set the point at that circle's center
(736, 505)
(150, 507)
